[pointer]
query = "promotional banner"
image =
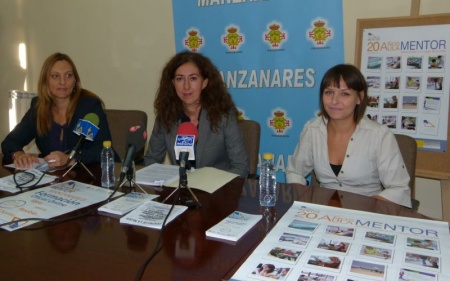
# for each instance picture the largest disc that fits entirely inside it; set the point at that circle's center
(314, 242)
(49, 202)
(272, 56)
(406, 71)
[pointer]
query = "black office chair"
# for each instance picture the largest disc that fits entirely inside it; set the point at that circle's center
(408, 149)
(251, 133)
(120, 121)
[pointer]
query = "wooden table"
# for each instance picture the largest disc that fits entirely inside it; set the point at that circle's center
(97, 247)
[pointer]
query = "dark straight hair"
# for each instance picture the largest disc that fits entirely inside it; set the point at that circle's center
(354, 79)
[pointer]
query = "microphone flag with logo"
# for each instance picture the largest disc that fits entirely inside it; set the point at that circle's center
(187, 135)
(86, 128)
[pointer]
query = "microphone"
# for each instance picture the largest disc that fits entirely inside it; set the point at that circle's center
(136, 138)
(87, 129)
(187, 135)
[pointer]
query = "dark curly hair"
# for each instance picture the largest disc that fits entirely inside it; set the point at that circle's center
(215, 97)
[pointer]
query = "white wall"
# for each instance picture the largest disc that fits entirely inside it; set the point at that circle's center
(120, 46)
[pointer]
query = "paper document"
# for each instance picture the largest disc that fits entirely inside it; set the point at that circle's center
(152, 214)
(157, 174)
(26, 179)
(126, 203)
(234, 226)
(206, 179)
(48, 202)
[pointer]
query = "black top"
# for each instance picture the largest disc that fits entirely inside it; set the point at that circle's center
(336, 168)
(26, 131)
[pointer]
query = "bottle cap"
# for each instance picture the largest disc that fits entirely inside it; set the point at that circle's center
(268, 156)
(106, 143)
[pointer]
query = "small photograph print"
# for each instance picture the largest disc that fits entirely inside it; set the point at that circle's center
(432, 105)
(392, 83)
(303, 225)
(379, 237)
(422, 244)
(340, 231)
(368, 269)
(394, 63)
(409, 103)
(390, 121)
(373, 101)
(293, 239)
(435, 83)
(270, 271)
(306, 275)
(285, 254)
(409, 123)
(414, 63)
(436, 62)
(373, 117)
(422, 260)
(374, 63)
(373, 83)
(333, 245)
(405, 274)
(412, 83)
(325, 262)
(376, 253)
(390, 102)
(430, 125)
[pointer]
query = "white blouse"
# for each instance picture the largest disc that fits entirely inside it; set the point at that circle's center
(373, 164)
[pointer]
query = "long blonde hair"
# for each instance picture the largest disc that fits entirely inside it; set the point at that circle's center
(45, 98)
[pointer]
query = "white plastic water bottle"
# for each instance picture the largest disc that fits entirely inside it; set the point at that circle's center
(267, 182)
(107, 165)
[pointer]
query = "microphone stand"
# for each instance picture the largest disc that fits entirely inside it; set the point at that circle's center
(183, 182)
(131, 179)
(77, 158)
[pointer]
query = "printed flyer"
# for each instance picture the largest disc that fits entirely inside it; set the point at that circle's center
(49, 202)
(315, 242)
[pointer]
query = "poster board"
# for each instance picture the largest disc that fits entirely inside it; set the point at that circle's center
(315, 242)
(429, 164)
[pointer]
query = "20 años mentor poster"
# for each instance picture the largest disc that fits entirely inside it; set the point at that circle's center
(408, 76)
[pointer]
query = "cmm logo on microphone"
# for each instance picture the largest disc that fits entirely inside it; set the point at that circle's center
(183, 140)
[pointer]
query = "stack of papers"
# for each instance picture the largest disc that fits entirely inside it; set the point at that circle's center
(157, 174)
(206, 179)
(233, 227)
(125, 204)
(152, 214)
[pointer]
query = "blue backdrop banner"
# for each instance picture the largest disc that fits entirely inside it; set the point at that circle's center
(272, 55)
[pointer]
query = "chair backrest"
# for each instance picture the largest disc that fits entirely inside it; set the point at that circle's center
(251, 133)
(120, 121)
(408, 149)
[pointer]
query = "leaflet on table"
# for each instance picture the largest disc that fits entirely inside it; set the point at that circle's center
(33, 166)
(152, 214)
(126, 203)
(207, 179)
(41, 166)
(157, 174)
(29, 178)
(327, 243)
(48, 202)
(234, 226)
